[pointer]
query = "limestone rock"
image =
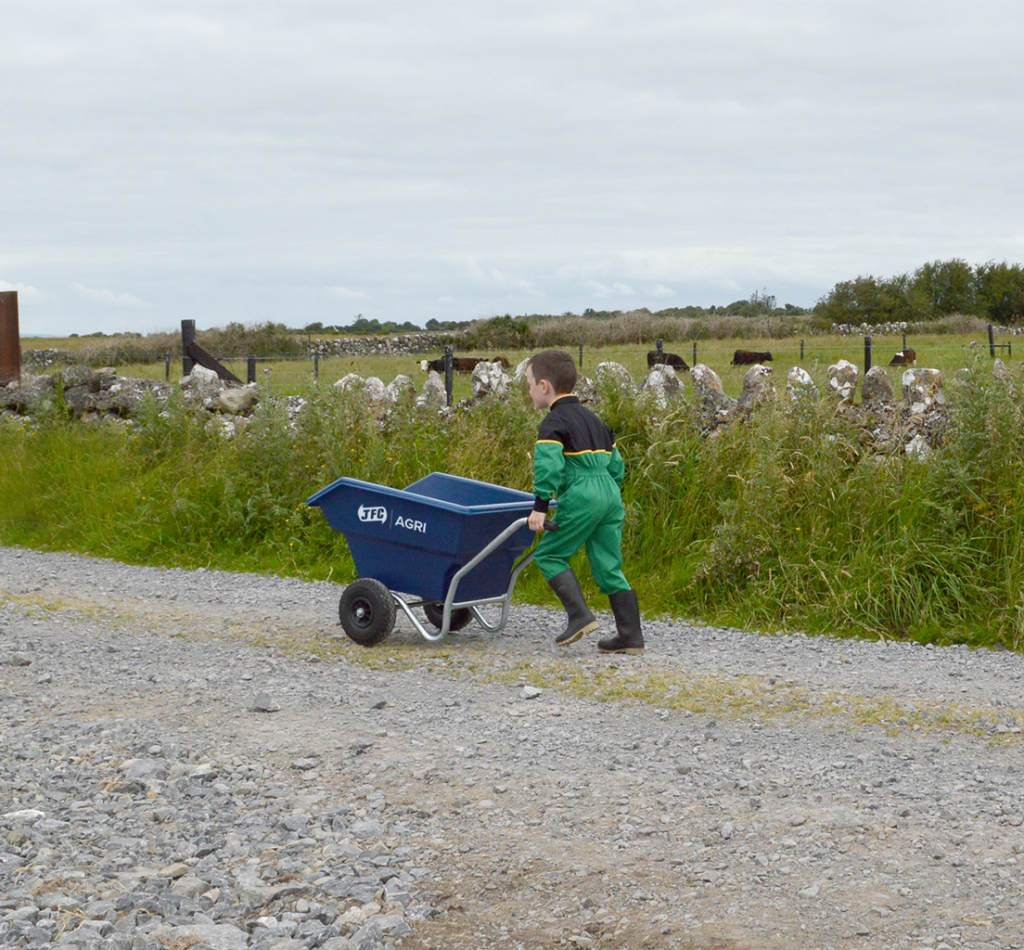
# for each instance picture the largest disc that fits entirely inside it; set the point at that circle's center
(842, 381)
(799, 385)
(661, 385)
(350, 381)
(399, 385)
(918, 447)
(586, 390)
(238, 401)
(922, 389)
(489, 379)
(30, 395)
(433, 392)
(202, 386)
(876, 390)
(375, 389)
(708, 392)
(757, 387)
(614, 375)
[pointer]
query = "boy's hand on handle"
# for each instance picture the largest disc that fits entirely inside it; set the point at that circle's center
(536, 522)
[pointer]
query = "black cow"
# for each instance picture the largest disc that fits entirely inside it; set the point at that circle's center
(750, 357)
(904, 358)
(666, 359)
(460, 364)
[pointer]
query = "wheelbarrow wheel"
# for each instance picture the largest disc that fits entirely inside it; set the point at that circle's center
(435, 614)
(367, 612)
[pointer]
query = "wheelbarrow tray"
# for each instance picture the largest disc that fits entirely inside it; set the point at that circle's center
(415, 539)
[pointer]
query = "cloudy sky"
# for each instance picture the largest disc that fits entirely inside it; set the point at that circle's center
(300, 161)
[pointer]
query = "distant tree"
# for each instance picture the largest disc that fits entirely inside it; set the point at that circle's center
(866, 300)
(999, 291)
(317, 327)
(943, 287)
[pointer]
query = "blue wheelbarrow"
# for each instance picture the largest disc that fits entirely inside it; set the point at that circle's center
(446, 544)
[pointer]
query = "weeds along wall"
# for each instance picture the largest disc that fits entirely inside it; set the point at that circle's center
(782, 520)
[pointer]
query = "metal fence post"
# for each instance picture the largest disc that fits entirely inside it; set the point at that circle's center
(188, 336)
(991, 342)
(250, 369)
(448, 371)
(581, 356)
(167, 366)
(801, 351)
(694, 352)
(316, 367)
(659, 347)
(10, 338)
(867, 353)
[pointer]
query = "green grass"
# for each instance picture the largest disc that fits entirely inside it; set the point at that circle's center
(945, 352)
(782, 521)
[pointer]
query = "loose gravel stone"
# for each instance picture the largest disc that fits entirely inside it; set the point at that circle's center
(772, 791)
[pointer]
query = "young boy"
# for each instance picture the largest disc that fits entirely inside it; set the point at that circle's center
(576, 460)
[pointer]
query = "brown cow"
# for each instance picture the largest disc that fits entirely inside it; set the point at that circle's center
(666, 359)
(750, 357)
(904, 358)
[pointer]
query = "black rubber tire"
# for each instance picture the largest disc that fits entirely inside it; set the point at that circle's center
(435, 614)
(367, 612)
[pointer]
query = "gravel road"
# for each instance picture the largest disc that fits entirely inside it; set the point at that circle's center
(200, 758)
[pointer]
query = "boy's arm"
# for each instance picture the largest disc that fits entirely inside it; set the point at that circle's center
(548, 465)
(616, 467)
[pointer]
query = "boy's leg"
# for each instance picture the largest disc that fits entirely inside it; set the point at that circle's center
(604, 549)
(552, 559)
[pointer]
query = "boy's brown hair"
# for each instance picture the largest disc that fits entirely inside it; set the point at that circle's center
(557, 367)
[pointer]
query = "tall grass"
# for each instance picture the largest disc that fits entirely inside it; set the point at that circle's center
(789, 518)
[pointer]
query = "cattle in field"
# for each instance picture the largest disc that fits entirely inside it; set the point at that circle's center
(666, 359)
(905, 357)
(750, 357)
(461, 364)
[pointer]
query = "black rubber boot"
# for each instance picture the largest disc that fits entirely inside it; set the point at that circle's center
(629, 638)
(581, 620)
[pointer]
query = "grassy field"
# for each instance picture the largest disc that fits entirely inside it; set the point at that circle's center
(945, 352)
(786, 520)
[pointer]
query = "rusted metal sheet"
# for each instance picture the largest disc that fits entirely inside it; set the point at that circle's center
(10, 339)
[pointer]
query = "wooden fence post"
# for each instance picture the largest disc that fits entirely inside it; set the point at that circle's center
(188, 337)
(10, 338)
(867, 353)
(448, 370)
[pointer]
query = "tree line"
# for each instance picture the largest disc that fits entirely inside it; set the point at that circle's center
(994, 292)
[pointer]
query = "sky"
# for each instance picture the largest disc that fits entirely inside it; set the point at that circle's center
(301, 162)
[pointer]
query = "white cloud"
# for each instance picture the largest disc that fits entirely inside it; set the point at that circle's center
(24, 290)
(617, 289)
(108, 298)
(347, 294)
(232, 161)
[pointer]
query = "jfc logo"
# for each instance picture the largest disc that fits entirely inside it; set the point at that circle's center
(372, 514)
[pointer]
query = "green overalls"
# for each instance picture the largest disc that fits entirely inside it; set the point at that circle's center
(576, 461)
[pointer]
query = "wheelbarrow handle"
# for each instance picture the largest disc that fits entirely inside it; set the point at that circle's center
(550, 525)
